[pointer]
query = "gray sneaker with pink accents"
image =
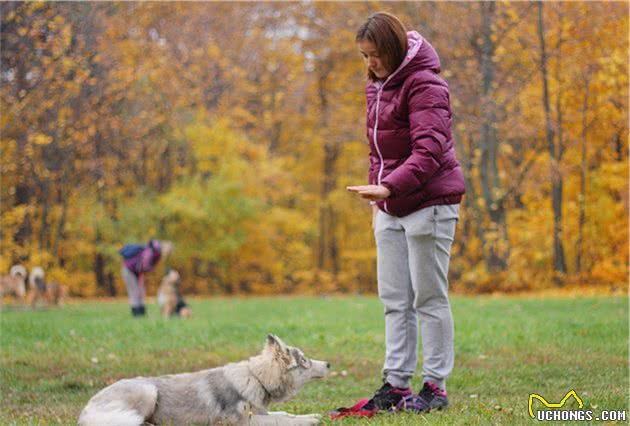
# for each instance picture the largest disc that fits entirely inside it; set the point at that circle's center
(431, 397)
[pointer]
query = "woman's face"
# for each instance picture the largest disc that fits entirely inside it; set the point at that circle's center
(372, 59)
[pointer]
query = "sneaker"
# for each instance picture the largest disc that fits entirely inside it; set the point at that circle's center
(386, 398)
(138, 311)
(431, 397)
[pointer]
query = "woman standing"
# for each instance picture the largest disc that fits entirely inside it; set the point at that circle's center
(415, 187)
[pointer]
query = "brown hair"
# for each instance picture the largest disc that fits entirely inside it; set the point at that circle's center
(388, 35)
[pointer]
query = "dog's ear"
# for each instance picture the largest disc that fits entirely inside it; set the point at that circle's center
(275, 344)
(278, 349)
(272, 341)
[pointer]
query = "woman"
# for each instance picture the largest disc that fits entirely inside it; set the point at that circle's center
(138, 260)
(415, 187)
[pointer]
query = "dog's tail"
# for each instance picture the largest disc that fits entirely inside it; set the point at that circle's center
(112, 414)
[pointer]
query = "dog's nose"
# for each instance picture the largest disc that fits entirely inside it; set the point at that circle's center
(327, 365)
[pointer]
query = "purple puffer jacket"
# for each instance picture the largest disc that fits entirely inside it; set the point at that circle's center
(409, 130)
(144, 261)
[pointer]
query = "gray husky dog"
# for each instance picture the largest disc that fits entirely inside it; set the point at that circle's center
(235, 394)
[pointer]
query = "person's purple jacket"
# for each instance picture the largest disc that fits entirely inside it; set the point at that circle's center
(146, 260)
(409, 131)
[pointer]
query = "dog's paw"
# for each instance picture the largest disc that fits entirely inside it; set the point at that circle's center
(310, 416)
(297, 419)
(309, 419)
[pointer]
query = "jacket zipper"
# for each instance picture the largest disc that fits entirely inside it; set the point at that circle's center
(380, 156)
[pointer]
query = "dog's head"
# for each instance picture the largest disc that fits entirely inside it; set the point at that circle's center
(172, 277)
(36, 277)
(287, 368)
(18, 270)
(282, 370)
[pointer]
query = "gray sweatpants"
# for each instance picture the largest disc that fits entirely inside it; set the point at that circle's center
(135, 291)
(413, 254)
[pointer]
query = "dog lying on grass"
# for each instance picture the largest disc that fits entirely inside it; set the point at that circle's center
(235, 394)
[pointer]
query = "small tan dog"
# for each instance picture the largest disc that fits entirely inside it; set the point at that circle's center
(55, 293)
(15, 283)
(169, 297)
(50, 293)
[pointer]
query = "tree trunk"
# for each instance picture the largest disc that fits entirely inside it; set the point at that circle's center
(471, 192)
(110, 284)
(99, 259)
(619, 145)
(166, 171)
(328, 246)
(582, 194)
(60, 231)
(559, 264)
(22, 188)
(99, 265)
(43, 231)
(497, 247)
(275, 128)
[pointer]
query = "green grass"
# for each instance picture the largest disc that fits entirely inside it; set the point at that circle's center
(52, 361)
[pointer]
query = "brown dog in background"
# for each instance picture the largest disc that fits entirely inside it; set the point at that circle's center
(50, 293)
(169, 297)
(55, 293)
(14, 284)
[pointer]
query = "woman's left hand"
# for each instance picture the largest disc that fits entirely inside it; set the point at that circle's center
(370, 192)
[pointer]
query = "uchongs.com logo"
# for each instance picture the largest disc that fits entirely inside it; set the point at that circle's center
(557, 414)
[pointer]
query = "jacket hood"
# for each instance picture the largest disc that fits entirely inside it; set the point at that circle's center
(420, 55)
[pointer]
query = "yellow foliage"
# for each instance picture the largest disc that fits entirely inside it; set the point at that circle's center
(241, 155)
(39, 139)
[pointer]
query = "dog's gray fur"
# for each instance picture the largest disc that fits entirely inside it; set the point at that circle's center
(235, 394)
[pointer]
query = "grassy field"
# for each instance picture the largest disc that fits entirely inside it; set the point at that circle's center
(52, 361)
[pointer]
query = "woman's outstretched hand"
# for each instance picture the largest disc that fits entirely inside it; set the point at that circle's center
(370, 192)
